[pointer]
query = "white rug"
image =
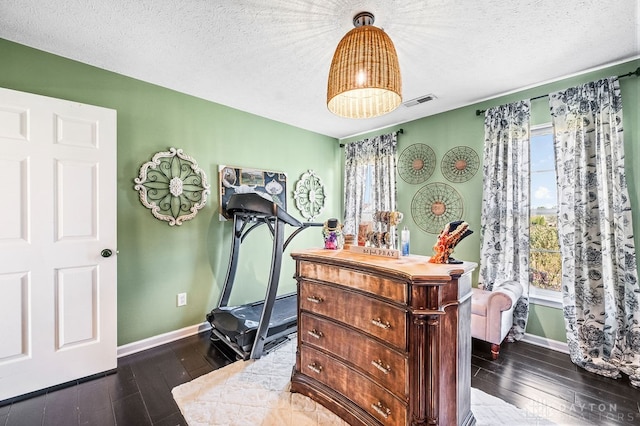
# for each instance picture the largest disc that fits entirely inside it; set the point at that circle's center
(256, 392)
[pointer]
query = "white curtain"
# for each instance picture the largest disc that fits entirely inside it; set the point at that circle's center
(369, 178)
(599, 272)
(504, 226)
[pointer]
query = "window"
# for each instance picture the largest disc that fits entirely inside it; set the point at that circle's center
(367, 197)
(369, 183)
(545, 259)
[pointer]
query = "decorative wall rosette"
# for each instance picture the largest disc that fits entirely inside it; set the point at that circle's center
(435, 205)
(459, 164)
(309, 195)
(416, 163)
(172, 186)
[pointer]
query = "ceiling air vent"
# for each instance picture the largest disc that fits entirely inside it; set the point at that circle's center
(420, 100)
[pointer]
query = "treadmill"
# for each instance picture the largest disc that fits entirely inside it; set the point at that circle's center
(255, 328)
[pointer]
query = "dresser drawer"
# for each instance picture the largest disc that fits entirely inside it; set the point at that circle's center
(389, 289)
(372, 316)
(363, 392)
(386, 366)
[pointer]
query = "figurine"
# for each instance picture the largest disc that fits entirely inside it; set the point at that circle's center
(450, 236)
(332, 232)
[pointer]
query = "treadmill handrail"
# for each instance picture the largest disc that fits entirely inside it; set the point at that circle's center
(304, 226)
(255, 203)
(250, 211)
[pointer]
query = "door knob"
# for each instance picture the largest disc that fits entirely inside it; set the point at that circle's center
(106, 253)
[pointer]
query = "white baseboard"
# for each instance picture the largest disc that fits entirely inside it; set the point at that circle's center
(546, 343)
(152, 342)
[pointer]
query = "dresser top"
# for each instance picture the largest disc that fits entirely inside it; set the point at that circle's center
(415, 268)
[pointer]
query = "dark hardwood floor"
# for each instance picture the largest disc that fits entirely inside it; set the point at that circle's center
(138, 394)
(548, 384)
(542, 381)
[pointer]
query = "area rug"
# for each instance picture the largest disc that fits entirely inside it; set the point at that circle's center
(256, 392)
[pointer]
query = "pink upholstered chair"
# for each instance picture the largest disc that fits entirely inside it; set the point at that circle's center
(492, 313)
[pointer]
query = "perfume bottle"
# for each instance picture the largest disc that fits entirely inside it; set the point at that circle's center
(405, 239)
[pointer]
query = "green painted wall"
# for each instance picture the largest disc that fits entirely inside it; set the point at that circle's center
(462, 127)
(156, 261)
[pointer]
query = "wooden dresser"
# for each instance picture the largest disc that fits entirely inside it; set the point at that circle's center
(384, 341)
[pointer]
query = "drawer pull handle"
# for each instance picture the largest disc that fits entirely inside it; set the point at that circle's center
(378, 323)
(381, 409)
(315, 333)
(386, 369)
(315, 368)
(315, 299)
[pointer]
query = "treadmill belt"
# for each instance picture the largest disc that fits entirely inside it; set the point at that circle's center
(239, 323)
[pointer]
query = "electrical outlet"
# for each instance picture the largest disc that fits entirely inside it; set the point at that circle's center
(182, 299)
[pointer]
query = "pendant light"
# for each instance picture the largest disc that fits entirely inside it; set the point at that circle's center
(364, 79)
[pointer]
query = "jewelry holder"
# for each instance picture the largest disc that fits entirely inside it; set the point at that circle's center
(449, 237)
(382, 240)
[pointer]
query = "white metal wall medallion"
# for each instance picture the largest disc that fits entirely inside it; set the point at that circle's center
(309, 195)
(172, 186)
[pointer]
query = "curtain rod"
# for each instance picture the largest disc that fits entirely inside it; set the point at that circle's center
(399, 131)
(629, 74)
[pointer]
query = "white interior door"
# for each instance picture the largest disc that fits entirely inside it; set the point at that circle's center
(58, 212)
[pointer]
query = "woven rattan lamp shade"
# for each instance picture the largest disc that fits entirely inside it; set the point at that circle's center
(364, 79)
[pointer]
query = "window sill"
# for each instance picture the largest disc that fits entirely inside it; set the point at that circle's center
(552, 299)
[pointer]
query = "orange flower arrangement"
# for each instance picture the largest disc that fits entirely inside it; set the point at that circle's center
(450, 236)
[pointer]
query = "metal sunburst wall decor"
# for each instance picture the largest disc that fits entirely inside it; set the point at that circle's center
(416, 163)
(172, 186)
(435, 205)
(459, 164)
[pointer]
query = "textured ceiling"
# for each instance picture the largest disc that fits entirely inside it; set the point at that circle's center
(272, 58)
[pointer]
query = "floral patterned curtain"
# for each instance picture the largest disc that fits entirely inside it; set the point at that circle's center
(369, 179)
(599, 272)
(504, 226)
